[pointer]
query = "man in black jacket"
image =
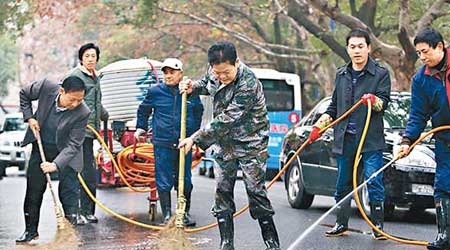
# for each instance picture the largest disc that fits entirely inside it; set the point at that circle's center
(361, 78)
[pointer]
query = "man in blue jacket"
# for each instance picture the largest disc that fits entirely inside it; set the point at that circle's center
(164, 101)
(430, 99)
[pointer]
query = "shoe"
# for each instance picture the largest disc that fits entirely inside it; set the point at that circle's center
(31, 225)
(27, 236)
(337, 230)
(90, 218)
(164, 201)
(443, 222)
(226, 229)
(269, 233)
(377, 218)
(188, 220)
(342, 217)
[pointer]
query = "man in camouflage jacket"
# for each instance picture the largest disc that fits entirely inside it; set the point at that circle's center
(240, 130)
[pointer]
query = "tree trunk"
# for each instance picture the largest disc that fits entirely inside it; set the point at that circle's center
(403, 73)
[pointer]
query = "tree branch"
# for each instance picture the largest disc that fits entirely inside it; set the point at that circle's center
(259, 46)
(296, 13)
(259, 30)
(352, 22)
(435, 11)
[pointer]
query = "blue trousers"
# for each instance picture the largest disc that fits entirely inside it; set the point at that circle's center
(167, 166)
(442, 176)
(372, 161)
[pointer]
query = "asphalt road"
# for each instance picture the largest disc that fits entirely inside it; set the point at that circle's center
(111, 233)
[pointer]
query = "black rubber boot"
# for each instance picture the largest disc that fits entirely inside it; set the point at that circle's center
(30, 231)
(377, 218)
(342, 216)
(443, 222)
(269, 233)
(188, 220)
(226, 229)
(166, 206)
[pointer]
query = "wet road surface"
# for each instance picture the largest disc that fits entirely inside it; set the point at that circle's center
(111, 233)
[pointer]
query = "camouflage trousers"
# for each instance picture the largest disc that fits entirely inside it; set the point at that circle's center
(254, 173)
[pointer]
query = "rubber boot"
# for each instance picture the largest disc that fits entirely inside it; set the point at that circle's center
(30, 231)
(73, 219)
(443, 222)
(226, 229)
(377, 218)
(342, 216)
(166, 206)
(188, 220)
(269, 233)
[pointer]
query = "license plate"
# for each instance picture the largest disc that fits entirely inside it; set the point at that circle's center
(421, 189)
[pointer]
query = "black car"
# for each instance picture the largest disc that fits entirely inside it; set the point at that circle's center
(408, 182)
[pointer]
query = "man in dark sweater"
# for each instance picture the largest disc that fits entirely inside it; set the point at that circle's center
(61, 118)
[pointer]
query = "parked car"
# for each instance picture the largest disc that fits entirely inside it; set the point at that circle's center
(408, 182)
(12, 132)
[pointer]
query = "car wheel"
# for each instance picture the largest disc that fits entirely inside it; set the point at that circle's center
(297, 196)
(363, 194)
(365, 203)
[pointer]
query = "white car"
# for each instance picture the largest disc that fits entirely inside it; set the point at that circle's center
(12, 132)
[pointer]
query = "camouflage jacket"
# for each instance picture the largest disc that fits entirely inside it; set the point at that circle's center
(93, 97)
(240, 127)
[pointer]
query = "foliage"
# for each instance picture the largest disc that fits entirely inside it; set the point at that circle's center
(14, 15)
(8, 58)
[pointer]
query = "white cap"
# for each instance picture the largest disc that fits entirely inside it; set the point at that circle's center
(172, 63)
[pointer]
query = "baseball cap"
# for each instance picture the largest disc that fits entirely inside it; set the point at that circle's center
(172, 63)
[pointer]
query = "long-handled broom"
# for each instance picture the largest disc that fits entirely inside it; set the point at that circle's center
(66, 235)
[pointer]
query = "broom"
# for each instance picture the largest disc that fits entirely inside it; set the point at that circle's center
(66, 236)
(60, 219)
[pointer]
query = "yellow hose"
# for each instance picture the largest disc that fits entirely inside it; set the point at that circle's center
(106, 209)
(355, 185)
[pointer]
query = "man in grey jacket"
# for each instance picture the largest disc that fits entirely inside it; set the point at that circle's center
(61, 118)
(362, 78)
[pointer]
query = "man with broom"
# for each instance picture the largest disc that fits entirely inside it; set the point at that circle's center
(163, 101)
(60, 119)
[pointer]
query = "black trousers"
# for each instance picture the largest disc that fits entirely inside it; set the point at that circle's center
(89, 174)
(68, 190)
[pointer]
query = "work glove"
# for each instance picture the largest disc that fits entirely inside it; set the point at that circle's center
(366, 97)
(404, 147)
(315, 134)
(185, 85)
(139, 132)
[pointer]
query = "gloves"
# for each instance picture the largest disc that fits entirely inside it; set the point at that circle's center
(315, 134)
(185, 85)
(139, 132)
(404, 147)
(366, 97)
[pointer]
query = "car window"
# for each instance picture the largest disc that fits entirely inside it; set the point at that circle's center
(317, 112)
(14, 124)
